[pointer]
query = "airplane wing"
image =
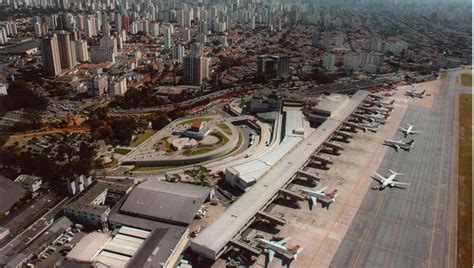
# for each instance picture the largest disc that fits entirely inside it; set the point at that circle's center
(326, 199)
(402, 129)
(314, 199)
(271, 253)
(322, 190)
(415, 132)
(379, 178)
(400, 183)
(396, 147)
(281, 242)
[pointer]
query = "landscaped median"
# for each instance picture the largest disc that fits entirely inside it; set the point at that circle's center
(466, 80)
(142, 137)
(464, 241)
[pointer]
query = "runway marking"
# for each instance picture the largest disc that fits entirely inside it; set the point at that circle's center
(387, 249)
(364, 242)
(397, 221)
(445, 128)
(346, 203)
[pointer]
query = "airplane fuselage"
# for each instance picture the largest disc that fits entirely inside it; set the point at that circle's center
(276, 247)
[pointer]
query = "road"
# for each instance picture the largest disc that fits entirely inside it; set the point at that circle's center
(415, 227)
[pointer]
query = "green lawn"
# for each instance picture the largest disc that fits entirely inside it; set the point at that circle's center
(225, 128)
(464, 242)
(142, 137)
(222, 138)
(122, 151)
(111, 164)
(152, 168)
(466, 80)
(204, 119)
(166, 142)
(199, 150)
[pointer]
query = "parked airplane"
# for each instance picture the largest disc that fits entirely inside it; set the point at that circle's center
(409, 130)
(371, 127)
(388, 181)
(324, 198)
(272, 247)
(400, 144)
(377, 117)
(385, 102)
(381, 109)
(416, 94)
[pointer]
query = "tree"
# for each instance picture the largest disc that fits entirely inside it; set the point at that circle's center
(20, 96)
(159, 121)
(123, 129)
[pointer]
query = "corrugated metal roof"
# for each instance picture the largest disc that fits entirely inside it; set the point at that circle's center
(88, 247)
(172, 202)
(134, 232)
(10, 193)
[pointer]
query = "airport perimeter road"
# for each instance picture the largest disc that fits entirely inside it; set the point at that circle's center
(415, 227)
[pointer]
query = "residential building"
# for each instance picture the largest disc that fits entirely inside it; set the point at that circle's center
(102, 54)
(65, 53)
(50, 54)
(329, 62)
(196, 69)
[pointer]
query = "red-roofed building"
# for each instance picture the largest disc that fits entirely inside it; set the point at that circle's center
(196, 125)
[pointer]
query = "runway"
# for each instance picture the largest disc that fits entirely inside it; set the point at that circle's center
(412, 227)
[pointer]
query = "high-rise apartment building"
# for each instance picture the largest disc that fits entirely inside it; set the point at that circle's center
(178, 52)
(50, 54)
(329, 62)
(167, 38)
(196, 69)
(65, 54)
(82, 54)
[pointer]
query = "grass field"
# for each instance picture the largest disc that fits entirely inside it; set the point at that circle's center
(222, 138)
(122, 151)
(203, 119)
(466, 80)
(142, 137)
(111, 164)
(200, 150)
(225, 128)
(153, 168)
(464, 242)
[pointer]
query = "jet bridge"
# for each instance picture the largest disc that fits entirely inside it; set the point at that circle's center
(362, 117)
(308, 175)
(271, 218)
(245, 246)
(321, 161)
(292, 194)
(335, 148)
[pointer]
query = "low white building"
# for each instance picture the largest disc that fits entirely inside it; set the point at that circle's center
(29, 183)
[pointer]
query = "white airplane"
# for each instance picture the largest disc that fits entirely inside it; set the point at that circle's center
(400, 144)
(385, 102)
(416, 94)
(314, 196)
(388, 181)
(382, 109)
(272, 247)
(377, 117)
(371, 127)
(409, 130)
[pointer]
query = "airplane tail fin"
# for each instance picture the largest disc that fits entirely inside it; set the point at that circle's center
(411, 142)
(395, 173)
(296, 250)
(423, 92)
